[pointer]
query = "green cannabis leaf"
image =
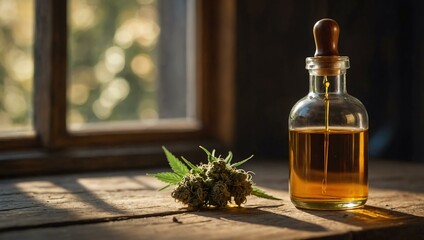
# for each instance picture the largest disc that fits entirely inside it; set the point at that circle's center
(242, 162)
(229, 157)
(191, 165)
(216, 183)
(168, 177)
(176, 165)
(261, 193)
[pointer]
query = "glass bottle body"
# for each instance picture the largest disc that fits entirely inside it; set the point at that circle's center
(328, 147)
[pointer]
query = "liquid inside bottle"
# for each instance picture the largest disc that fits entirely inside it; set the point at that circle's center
(338, 182)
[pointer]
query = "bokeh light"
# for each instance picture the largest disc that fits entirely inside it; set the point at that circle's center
(83, 15)
(78, 93)
(14, 102)
(112, 61)
(16, 64)
(147, 110)
(112, 68)
(142, 65)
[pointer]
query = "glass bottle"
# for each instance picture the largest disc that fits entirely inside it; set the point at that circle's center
(328, 133)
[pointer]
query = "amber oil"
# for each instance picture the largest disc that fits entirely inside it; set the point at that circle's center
(328, 168)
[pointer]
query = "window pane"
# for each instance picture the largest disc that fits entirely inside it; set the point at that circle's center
(130, 61)
(16, 64)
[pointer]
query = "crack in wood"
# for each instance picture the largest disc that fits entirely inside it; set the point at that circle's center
(10, 193)
(89, 221)
(12, 209)
(42, 193)
(74, 192)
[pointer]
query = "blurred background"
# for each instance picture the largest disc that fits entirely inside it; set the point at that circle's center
(116, 57)
(112, 60)
(119, 49)
(385, 43)
(16, 64)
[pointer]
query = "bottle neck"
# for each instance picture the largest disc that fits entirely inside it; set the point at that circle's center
(337, 84)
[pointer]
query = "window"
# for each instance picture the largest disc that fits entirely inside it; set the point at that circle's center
(106, 96)
(141, 68)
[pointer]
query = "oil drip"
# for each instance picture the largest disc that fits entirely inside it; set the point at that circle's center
(326, 134)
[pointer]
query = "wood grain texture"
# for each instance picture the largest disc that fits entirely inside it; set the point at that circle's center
(30, 163)
(126, 205)
(50, 63)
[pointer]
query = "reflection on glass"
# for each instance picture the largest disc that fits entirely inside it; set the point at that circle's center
(16, 64)
(114, 57)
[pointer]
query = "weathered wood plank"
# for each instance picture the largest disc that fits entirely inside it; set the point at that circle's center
(53, 200)
(127, 205)
(276, 222)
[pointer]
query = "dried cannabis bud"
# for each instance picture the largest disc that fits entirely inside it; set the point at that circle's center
(216, 183)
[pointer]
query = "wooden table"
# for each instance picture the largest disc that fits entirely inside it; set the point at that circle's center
(126, 205)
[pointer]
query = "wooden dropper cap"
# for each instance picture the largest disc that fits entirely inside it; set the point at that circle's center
(327, 60)
(326, 34)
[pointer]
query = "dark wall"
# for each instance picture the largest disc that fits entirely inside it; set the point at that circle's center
(385, 43)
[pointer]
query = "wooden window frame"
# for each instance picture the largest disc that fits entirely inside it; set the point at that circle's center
(53, 148)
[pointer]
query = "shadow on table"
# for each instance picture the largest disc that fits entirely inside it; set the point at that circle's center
(377, 222)
(260, 217)
(52, 200)
(51, 206)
